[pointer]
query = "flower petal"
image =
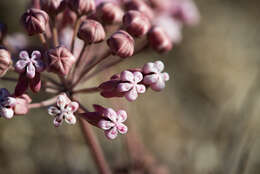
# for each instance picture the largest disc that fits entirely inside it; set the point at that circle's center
(127, 76)
(123, 87)
(8, 113)
(131, 95)
(138, 77)
(30, 71)
(36, 55)
(149, 68)
(122, 115)
(112, 133)
(158, 86)
(70, 119)
(122, 128)
(140, 88)
(62, 101)
(53, 111)
(159, 65)
(111, 114)
(57, 122)
(150, 79)
(165, 76)
(24, 55)
(20, 65)
(105, 124)
(73, 106)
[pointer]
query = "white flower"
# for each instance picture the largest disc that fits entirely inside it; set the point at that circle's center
(6, 104)
(154, 75)
(114, 123)
(64, 110)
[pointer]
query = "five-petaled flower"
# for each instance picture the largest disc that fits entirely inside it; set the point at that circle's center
(7, 104)
(154, 77)
(64, 110)
(130, 84)
(28, 65)
(113, 123)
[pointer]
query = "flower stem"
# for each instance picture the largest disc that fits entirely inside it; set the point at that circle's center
(43, 103)
(94, 145)
(54, 32)
(76, 28)
(87, 90)
(43, 40)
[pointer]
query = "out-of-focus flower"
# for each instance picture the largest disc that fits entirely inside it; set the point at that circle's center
(109, 13)
(136, 23)
(141, 6)
(121, 44)
(35, 21)
(7, 104)
(64, 110)
(28, 65)
(53, 7)
(16, 41)
(154, 75)
(5, 61)
(91, 31)
(159, 40)
(60, 60)
(130, 85)
(82, 7)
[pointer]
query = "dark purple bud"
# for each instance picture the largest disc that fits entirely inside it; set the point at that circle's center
(35, 83)
(109, 13)
(91, 31)
(35, 21)
(53, 7)
(5, 61)
(136, 23)
(159, 40)
(82, 7)
(60, 60)
(121, 44)
(22, 85)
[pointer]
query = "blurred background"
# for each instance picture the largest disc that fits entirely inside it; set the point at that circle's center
(206, 121)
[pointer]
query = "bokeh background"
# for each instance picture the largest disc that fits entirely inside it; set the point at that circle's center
(206, 121)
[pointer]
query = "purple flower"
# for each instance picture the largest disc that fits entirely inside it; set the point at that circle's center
(64, 110)
(130, 84)
(113, 123)
(154, 77)
(6, 104)
(28, 65)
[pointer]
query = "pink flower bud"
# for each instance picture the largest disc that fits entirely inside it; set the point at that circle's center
(159, 40)
(22, 105)
(136, 23)
(91, 31)
(82, 7)
(60, 60)
(35, 21)
(121, 44)
(141, 6)
(53, 7)
(109, 13)
(5, 61)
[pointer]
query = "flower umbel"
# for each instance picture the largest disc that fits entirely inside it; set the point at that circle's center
(64, 110)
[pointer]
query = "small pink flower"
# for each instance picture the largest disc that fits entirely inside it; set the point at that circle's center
(7, 104)
(113, 123)
(154, 75)
(30, 65)
(64, 110)
(130, 84)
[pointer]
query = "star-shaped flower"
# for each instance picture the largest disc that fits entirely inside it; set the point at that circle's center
(6, 104)
(64, 110)
(154, 75)
(30, 65)
(130, 84)
(113, 123)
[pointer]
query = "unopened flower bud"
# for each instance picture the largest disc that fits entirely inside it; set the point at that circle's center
(121, 44)
(82, 7)
(159, 40)
(91, 31)
(3, 31)
(5, 61)
(109, 13)
(140, 6)
(136, 23)
(53, 7)
(60, 60)
(35, 21)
